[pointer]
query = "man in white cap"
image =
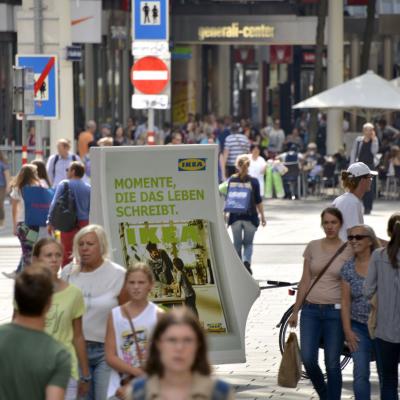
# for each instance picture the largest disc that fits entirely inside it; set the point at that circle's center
(357, 180)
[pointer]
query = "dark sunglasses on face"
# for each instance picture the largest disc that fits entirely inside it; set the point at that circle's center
(357, 237)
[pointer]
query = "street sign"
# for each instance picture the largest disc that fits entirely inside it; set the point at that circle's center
(141, 48)
(150, 20)
(23, 91)
(150, 75)
(74, 53)
(146, 101)
(45, 70)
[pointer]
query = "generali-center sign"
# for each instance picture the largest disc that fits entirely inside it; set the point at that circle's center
(236, 31)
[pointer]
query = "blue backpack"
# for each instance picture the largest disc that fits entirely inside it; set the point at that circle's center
(220, 391)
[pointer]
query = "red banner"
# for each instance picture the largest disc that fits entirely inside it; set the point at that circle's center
(281, 54)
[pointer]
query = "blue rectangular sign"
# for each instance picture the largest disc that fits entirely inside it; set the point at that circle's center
(45, 69)
(150, 20)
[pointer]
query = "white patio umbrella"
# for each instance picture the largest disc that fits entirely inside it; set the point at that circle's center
(367, 95)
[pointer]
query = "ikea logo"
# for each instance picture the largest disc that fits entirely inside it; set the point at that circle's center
(192, 164)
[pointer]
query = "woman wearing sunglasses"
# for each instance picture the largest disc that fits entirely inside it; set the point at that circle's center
(356, 308)
(384, 280)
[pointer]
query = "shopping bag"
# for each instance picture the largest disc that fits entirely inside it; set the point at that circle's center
(290, 368)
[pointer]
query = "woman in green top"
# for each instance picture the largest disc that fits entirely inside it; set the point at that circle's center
(64, 319)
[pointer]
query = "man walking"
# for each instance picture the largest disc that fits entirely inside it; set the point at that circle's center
(236, 144)
(58, 164)
(365, 149)
(33, 365)
(80, 192)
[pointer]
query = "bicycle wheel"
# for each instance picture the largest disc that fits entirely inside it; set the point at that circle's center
(284, 333)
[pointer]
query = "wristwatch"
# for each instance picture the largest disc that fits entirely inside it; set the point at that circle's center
(85, 379)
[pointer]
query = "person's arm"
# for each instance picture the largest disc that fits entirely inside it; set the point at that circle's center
(260, 209)
(303, 286)
(55, 393)
(14, 213)
(370, 284)
(111, 353)
(80, 348)
(351, 338)
(374, 145)
(354, 150)
(7, 178)
(224, 159)
(49, 167)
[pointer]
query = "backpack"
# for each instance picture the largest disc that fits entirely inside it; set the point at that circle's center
(239, 198)
(56, 158)
(63, 216)
(292, 157)
(220, 391)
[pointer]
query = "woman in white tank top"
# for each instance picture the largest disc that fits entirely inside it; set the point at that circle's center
(126, 348)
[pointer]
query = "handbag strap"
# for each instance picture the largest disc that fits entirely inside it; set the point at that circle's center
(138, 350)
(322, 272)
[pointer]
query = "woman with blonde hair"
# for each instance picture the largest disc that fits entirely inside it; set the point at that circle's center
(129, 328)
(356, 308)
(244, 222)
(101, 282)
(357, 181)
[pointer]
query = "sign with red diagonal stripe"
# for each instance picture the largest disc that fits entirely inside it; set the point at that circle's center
(150, 75)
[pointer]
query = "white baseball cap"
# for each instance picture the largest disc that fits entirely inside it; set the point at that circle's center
(360, 169)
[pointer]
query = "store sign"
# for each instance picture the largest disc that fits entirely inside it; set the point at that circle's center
(281, 54)
(236, 31)
(168, 215)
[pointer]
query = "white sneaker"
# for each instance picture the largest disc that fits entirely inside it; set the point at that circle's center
(10, 275)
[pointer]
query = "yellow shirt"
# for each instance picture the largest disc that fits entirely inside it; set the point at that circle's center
(66, 306)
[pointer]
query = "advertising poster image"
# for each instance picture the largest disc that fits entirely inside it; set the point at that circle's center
(179, 254)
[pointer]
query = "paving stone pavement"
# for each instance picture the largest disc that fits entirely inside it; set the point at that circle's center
(278, 256)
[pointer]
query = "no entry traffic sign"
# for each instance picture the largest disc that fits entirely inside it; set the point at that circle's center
(150, 75)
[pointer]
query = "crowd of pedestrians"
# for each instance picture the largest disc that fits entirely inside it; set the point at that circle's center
(116, 343)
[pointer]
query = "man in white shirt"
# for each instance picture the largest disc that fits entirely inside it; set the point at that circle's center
(58, 164)
(358, 179)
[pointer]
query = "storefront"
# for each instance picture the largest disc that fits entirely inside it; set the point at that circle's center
(247, 65)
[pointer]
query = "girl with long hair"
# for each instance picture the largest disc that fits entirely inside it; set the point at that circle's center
(384, 280)
(129, 328)
(64, 318)
(27, 234)
(177, 364)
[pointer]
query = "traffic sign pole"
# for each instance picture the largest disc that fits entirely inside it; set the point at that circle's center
(150, 123)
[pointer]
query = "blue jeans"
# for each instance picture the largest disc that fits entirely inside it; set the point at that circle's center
(322, 322)
(388, 355)
(99, 370)
(243, 234)
(361, 361)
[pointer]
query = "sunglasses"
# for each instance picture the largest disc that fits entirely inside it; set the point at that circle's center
(357, 237)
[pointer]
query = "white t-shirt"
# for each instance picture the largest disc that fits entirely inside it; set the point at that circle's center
(352, 210)
(143, 324)
(100, 290)
(257, 170)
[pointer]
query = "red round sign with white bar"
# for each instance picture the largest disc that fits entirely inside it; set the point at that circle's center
(150, 75)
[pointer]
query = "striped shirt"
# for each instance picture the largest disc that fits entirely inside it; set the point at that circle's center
(237, 144)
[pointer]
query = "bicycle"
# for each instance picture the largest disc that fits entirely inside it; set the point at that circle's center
(284, 327)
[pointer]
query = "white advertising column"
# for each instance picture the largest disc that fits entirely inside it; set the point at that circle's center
(335, 72)
(161, 205)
